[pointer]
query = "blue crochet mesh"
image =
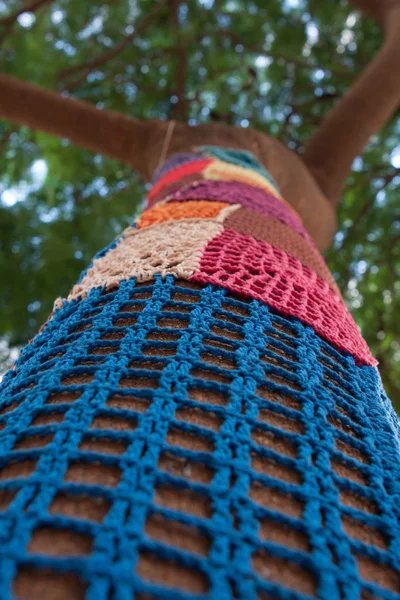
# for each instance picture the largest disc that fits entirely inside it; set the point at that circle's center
(170, 441)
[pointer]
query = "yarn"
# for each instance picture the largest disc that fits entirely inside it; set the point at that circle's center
(255, 269)
(180, 210)
(267, 229)
(233, 192)
(243, 158)
(219, 170)
(174, 175)
(173, 247)
(193, 444)
(200, 419)
(175, 161)
(267, 263)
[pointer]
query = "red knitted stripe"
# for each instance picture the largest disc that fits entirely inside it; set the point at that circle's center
(195, 166)
(256, 269)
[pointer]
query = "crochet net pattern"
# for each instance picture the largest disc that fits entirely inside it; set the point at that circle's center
(167, 248)
(174, 440)
(257, 269)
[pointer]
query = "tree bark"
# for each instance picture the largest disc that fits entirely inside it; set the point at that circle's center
(138, 144)
(379, 10)
(101, 131)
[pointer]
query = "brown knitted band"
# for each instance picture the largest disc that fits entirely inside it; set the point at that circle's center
(268, 229)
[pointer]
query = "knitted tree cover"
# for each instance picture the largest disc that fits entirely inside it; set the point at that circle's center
(200, 418)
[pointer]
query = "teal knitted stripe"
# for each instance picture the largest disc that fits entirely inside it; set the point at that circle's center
(242, 158)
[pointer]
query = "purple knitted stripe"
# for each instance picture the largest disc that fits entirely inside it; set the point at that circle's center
(175, 161)
(234, 192)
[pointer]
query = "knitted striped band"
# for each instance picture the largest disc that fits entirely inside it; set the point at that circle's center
(233, 192)
(215, 216)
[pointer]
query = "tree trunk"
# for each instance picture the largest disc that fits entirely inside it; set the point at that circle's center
(138, 144)
(201, 417)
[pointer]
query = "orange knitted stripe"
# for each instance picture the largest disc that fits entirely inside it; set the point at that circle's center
(173, 211)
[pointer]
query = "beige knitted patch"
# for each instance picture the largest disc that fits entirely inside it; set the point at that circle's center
(171, 248)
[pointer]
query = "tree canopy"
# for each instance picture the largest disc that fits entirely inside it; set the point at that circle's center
(278, 66)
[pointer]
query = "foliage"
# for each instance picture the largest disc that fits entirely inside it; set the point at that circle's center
(277, 66)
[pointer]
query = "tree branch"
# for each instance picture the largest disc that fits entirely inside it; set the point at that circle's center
(379, 10)
(360, 114)
(138, 143)
(9, 21)
(30, 6)
(105, 57)
(103, 131)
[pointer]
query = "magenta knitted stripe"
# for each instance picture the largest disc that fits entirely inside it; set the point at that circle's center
(234, 192)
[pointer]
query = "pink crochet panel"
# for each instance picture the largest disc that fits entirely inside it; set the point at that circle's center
(270, 230)
(255, 269)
